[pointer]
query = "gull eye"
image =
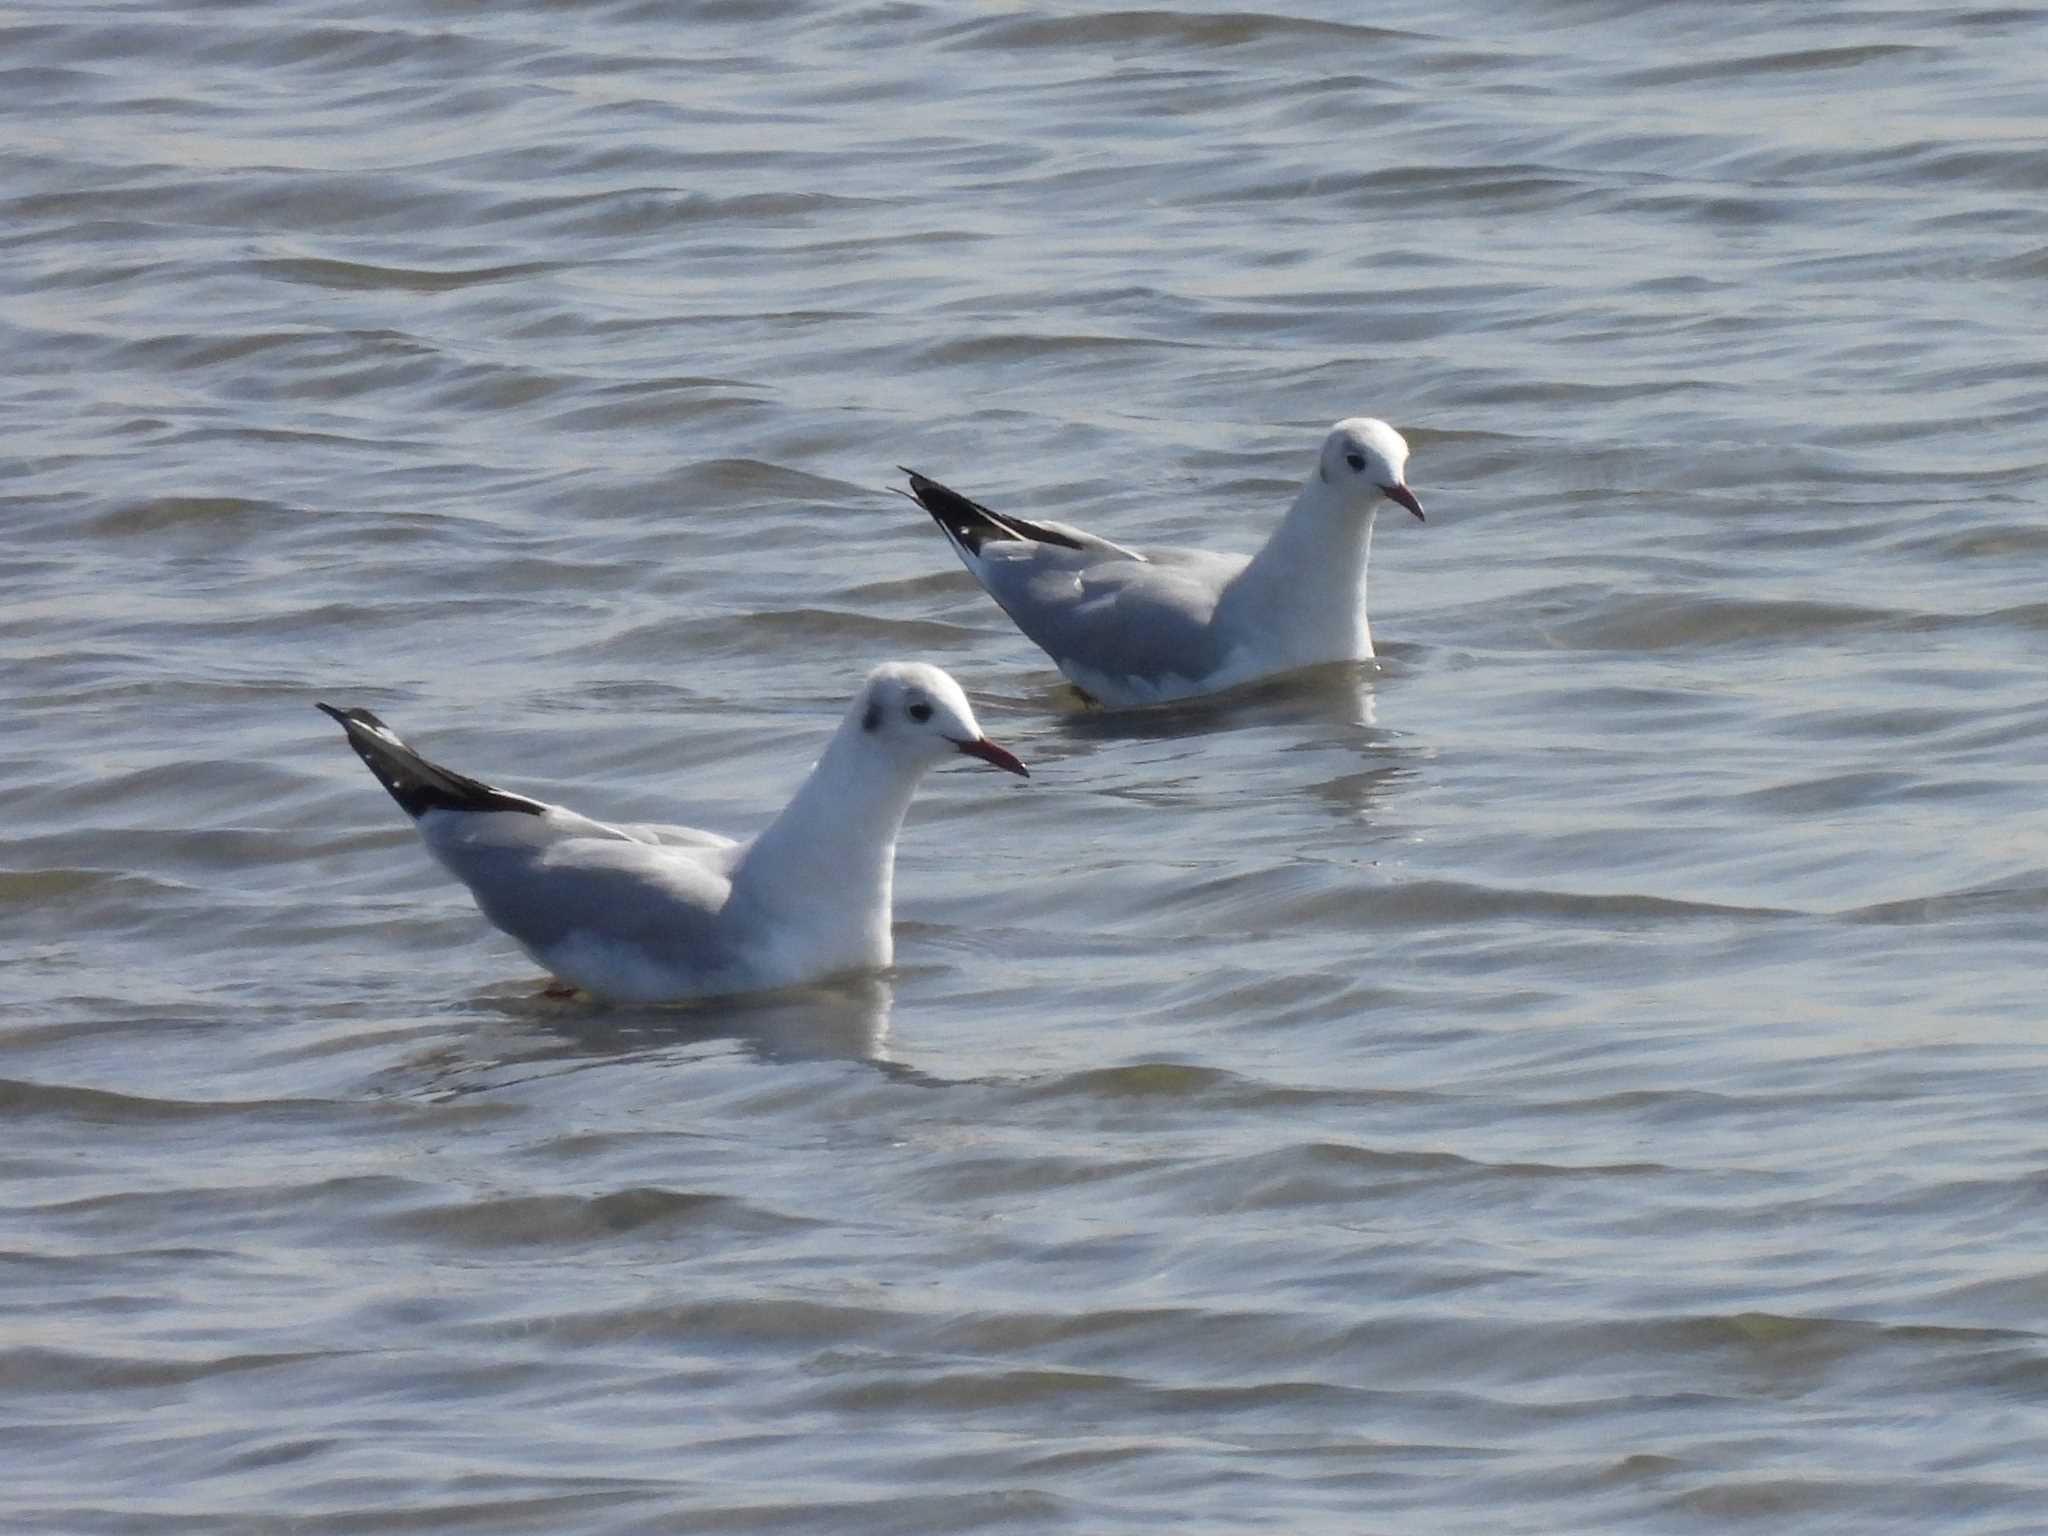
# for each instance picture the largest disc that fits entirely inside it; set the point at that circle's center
(920, 711)
(1356, 461)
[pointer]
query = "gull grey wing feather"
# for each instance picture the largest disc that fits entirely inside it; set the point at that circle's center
(672, 836)
(1115, 617)
(667, 901)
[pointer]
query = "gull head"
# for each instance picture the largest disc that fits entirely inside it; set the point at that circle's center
(917, 715)
(1365, 459)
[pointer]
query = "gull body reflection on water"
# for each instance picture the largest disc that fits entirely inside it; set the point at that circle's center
(1312, 737)
(521, 1035)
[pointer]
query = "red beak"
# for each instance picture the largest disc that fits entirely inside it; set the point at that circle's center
(1406, 498)
(989, 752)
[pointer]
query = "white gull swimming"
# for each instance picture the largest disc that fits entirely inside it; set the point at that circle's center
(1135, 625)
(661, 913)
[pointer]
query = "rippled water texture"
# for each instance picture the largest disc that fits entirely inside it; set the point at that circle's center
(1583, 1073)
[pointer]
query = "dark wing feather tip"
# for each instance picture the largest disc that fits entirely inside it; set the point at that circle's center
(972, 525)
(416, 784)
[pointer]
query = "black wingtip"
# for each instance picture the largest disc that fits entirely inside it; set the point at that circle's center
(926, 491)
(967, 523)
(970, 525)
(351, 716)
(416, 784)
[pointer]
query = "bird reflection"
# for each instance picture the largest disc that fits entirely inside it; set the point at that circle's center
(846, 1020)
(545, 1033)
(1336, 693)
(1329, 712)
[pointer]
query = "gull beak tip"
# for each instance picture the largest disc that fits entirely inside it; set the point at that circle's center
(1403, 496)
(989, 752)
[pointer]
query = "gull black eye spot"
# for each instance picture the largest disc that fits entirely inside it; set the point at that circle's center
(920, 711)
(1356, 461)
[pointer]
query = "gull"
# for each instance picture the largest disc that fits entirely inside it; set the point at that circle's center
(1143, 625)
(660, 913)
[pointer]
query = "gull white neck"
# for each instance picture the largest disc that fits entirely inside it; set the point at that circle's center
(1304, 593)
(826, 864)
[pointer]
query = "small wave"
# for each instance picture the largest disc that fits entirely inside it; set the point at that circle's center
(745, 634)
(1172, 1082)
(33, 1369)
(1018, 348)
(973, 1391)
(718, 1321)
(101, 901)
(329, 272)
(1327, 1173)
(1951, 906)
(554, 1220)
(1148, 1080)
(1797, 62)
(210, 516)
(1312, 895)
(1186, 29)
(1411, 188)
(105, 1106)
(1676, 621)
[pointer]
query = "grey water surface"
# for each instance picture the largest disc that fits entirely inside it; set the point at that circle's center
(1584, 1072)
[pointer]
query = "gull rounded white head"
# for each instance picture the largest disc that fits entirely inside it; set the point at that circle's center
(1369, 459)
(919, 716)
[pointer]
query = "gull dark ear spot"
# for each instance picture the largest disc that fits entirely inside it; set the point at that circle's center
(872, 720)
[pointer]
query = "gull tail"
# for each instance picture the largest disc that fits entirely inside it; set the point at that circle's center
(970, 525)
(416, 784)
